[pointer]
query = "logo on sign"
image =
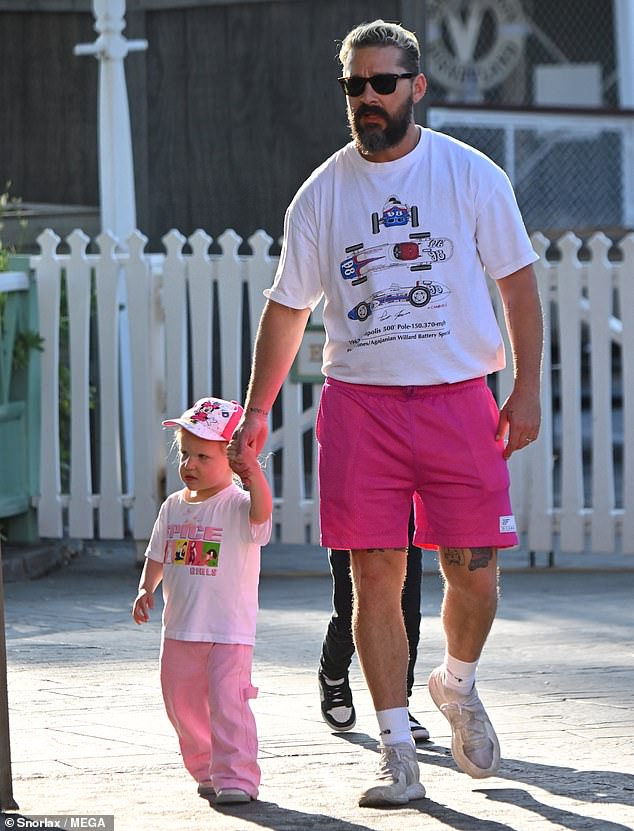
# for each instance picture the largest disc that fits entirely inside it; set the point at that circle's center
(473, 41)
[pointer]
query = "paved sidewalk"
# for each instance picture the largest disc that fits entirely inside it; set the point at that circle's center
(285, 560)
(89, 734)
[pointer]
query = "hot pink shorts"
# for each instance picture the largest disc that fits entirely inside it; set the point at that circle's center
(382, 447)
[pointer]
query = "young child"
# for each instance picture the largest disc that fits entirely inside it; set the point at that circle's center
(205, 547)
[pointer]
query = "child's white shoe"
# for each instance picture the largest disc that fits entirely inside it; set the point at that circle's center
(229, 796)
(206, 790)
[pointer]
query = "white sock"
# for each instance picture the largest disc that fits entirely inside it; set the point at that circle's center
(394, 726)
(459, 675)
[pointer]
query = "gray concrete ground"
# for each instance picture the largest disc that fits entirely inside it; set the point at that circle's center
(89, 734)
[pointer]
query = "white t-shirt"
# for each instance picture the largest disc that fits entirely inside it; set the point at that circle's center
(399, 250)
(211, 565)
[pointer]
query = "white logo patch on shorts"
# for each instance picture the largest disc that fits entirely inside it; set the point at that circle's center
(507, 524)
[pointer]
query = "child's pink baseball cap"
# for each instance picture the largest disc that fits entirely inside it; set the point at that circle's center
(213, 419)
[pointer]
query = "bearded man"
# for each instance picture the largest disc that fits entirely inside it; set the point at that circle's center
(405, 412)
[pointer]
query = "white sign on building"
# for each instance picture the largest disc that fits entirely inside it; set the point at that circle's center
(473, 43)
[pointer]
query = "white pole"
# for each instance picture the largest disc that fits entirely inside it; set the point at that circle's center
(116, 172)
(116, 169)
(624, 42)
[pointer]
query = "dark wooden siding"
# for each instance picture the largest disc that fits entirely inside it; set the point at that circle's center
(232, 106)
(48, 105)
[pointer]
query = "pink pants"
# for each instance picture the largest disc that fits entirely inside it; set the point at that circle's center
(206, 689)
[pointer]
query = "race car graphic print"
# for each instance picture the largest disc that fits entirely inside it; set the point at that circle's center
(418, 296)
(418, 253)
(394, 214)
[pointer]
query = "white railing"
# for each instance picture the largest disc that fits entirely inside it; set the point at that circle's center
(574, 488)
(179, 342)
(191, 317)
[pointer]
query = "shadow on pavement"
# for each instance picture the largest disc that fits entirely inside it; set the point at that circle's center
(457, 819)
(589, 786)
(593, 786)
(274, 816)
(522, 799)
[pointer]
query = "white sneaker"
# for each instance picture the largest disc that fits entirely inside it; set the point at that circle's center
(397, 781)
(232, 796)
(474, 745)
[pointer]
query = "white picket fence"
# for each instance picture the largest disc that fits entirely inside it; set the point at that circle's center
(181, 335)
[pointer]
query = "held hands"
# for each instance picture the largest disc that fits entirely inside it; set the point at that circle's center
(247, 441)
(143, 602)
(520, 417)
(247, 467)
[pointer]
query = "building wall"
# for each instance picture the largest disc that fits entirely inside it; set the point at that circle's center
(235, 103)
(48, 135)
(232, 106)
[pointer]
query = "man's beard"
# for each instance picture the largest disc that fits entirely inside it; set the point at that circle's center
(371, 138)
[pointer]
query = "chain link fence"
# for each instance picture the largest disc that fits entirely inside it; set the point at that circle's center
(519, 80)
(570, 172)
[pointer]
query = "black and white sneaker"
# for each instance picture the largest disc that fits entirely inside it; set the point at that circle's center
(337, 709)
(419, 733)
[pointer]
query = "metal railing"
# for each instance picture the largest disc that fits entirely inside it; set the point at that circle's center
(571, 170)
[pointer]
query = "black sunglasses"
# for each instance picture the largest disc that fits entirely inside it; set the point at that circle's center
(384, 84)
